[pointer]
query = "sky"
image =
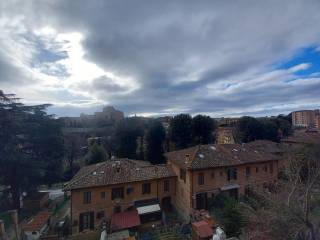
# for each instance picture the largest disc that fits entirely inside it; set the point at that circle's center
(151, 58)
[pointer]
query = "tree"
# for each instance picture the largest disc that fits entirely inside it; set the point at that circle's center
(181, 130)
(250, 129)
(272, 129)
(288, 210)
(73, 152)
(31, 146)
(96, 154)
(284, 125)
(233, 220)
(202, 128)
(155, 138)
(126, 134)
(269, 129)
(226, 210)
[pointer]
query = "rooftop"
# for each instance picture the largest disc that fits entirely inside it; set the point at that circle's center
(203, 229)
(125, 220)
(37, 222)
(116, 172)
(304, 137)
(219, 155)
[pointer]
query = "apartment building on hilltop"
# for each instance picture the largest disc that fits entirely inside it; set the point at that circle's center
(306, 118)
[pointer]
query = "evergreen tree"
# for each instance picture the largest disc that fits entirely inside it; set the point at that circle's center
(202, 128)
(31, 146)
(126, 135)
(250, 129)
(96, 154)
(233, 220)
(181, 130)
(270, 129)
(155, 138)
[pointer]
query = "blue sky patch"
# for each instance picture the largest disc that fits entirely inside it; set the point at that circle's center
(306, 55)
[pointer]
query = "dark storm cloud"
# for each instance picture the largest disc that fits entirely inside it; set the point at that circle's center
(180, 54)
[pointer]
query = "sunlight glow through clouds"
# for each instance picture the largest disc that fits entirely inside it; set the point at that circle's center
(79, 71)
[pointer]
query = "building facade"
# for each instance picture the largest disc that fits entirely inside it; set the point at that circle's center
(306, 118)
(207, 170)
(101, 190)
(225, 135)
(187, 182)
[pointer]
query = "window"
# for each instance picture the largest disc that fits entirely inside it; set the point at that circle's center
(271, 168)
(183, 174)
(200, 179)
(248, 171)
(166, 185)
(232, 174)
(117, 209)
(212, 174)
(257, 169)
(247, 191)
(117, 193)
(129, 190)
(103, 195)
(100, 214)
(86, 220)
(146, 188)
(87, 197)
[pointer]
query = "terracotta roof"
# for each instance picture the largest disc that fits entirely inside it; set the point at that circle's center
(37, 222)
(203, 229)
(303, 137)
(219, 155)
(116, 172)
(125, 220)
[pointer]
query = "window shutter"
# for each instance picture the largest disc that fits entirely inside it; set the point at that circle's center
(81, 222)
(91, 220)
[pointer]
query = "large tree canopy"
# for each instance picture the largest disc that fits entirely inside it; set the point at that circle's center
(126, 135)
(96, 154)
(181, 130)
(202, 128)
(273, 129)
(31, 146)
(154, 143)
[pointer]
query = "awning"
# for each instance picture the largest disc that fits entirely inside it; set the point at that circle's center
(203, 229)
(125, 220)
(149, 209)
(229, 187)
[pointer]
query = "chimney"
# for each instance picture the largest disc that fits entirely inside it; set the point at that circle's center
(187, 159)
(2, 231)
(118, 166)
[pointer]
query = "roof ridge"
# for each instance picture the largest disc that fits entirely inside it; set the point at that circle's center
(85, 175)
(197, 148)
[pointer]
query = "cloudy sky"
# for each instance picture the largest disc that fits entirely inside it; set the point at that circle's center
(222, 58)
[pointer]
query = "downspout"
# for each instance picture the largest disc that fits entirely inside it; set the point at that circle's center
(191, 190)
(71, 216)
